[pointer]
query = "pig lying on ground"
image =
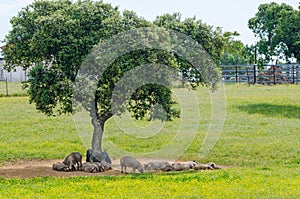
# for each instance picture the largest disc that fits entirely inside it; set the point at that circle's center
(128, 161)
(180, 167)
(90, 167)
(72, 160)
(156, 165)
(191, 164)
(106, 166)
(209, 166)
(167, 168)
(94, 167)
(58, 166)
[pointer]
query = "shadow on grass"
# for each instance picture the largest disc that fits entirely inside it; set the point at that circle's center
(272, 110)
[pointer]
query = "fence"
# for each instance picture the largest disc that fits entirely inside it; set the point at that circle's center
(4, 87)
(10, 82)
(271, 74)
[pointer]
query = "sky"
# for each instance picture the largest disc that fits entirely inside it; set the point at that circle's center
(231, 15)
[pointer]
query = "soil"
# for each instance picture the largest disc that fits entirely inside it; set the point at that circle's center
(41, 168)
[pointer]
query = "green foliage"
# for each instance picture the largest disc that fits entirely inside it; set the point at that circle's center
(49, 89)
(276, 25)
(55, 37)
(287, 33)
(235, 52)
(209, 37)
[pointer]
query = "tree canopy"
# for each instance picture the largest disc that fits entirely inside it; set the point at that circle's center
(277, 26)
(53, 38)
(235, 52)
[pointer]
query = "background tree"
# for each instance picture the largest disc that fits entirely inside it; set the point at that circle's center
(54, 37)
(277, 27)
(235, 52)
(288, 33)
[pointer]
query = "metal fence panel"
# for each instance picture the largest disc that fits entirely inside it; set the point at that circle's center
(271, 74)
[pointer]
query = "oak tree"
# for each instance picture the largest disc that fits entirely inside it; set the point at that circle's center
(54, 38)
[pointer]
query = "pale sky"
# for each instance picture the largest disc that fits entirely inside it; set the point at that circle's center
(231, 15)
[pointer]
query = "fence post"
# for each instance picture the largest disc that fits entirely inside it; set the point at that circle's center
(297, 74)
(236, 74)
(6, 85)
(274, 75)
(293, 74)
(254, 76)
(248, 78)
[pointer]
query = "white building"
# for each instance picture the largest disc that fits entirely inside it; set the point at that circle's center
(19, 75)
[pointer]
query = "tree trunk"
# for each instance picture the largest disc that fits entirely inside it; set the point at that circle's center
(97, 135)
(98, 122)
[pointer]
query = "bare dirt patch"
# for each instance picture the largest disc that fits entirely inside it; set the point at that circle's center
(42, 168)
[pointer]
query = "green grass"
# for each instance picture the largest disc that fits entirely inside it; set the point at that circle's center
(12, 89)
(231, 183)
(262, 126)
(260, 141)
(26, 134)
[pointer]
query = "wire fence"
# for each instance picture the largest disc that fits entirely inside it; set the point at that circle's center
(269, 75)
(10, 82)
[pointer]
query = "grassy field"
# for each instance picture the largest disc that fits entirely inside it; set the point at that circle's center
(12, 89)
(260, 141)
(232, 183)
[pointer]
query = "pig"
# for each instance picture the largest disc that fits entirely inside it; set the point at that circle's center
(213, 165)
(72, 160)
(191, 164)
(209, 166)
(90, 167)
(58, 166)
(95, 167)
(128, 161)
(167, 168)
(99, 165)
(156, 165)
(203, 167)
(180, 167)
(106, 166)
